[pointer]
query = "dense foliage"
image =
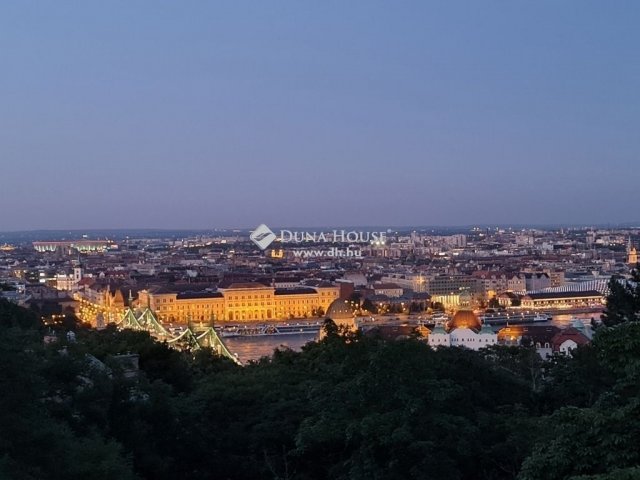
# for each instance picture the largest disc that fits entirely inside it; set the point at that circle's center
(347, 407)
(623, 304)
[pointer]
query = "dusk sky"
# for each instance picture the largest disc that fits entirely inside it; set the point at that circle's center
(230, 114)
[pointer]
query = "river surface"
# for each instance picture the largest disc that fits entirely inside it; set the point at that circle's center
(254, 348)
(565, 320)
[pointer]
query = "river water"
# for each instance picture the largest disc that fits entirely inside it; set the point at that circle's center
(253, 348)
(563, 321)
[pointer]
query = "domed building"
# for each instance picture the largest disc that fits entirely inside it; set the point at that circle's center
(465, 319)
(339, 310)
(463, 330)
(342, 315)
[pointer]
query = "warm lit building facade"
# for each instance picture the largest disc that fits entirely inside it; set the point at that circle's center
(563, 299)
(453, 301)
(100, 301)
(64, 281)
(240, 302)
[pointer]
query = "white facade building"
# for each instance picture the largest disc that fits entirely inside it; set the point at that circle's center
(465, 330)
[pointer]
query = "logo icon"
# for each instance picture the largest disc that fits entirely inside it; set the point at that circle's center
(262, 236)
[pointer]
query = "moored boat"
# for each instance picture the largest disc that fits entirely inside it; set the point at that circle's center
(269, 330)
(514, 318)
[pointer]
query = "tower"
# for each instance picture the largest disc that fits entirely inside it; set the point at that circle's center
(632, 253)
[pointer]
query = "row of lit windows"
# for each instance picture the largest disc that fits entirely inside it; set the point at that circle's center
(248, 297)
(243, 304)
(464, 340)
(238, 315)
(220, 306)
(560, 303)
(188, 307)
(455, 341)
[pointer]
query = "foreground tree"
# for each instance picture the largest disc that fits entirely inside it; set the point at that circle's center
(346, 407)
(602, 434)
(623, 301)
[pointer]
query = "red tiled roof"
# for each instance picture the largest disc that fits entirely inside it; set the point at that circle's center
(568, 334)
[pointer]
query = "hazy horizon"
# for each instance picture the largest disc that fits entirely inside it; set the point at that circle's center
(179, 116)
(80, 231)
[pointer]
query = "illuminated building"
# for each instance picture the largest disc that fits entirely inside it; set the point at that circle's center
(74, 245)
(239, 302)
(69, 281)
(632, 254)
(453, 301)
(590, 298)
(279, 253)
(99, 302)
(464, 330)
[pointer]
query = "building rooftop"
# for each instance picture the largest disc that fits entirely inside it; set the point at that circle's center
(193, 295)
(294, 291)
(552, 295)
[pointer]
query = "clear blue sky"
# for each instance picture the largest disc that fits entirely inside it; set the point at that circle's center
(202, 114)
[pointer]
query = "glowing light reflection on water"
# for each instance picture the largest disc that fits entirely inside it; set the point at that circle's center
(565, 320)
(254, 348)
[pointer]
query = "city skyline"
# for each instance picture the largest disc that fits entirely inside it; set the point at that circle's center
(320, 240)
(150, 116)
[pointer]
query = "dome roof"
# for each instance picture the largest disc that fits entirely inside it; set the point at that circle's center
(339, 310)
(465, 319)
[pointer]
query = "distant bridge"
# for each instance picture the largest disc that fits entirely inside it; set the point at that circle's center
(187, 339)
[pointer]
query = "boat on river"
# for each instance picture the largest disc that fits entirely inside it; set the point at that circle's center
(269, 330)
